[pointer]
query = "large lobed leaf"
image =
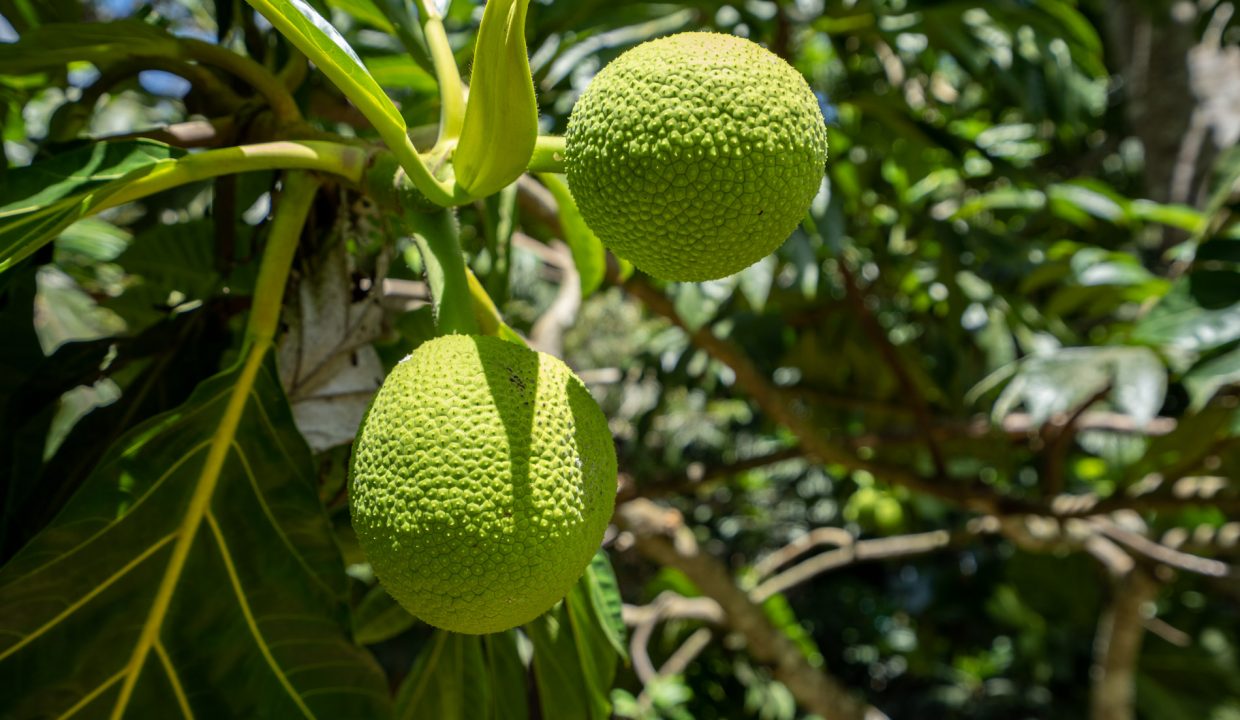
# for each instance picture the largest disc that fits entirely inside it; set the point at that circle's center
(185, 582)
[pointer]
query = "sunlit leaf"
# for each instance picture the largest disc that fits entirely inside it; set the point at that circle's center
(1180, 321)
(323, 45)
(365, 11)
(1059, 382)
(1207, 378)
(379, 618)
(39, 201)
(605, 598)
(588, 253)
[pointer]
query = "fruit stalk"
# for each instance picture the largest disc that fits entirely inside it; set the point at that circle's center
(548, 155)
(437, 237)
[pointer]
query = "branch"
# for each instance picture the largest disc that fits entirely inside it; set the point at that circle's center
(663, 537)
(1057, 434)
(697, 475)
(787, 410)
(877, 549)
(679, 660)
(1161, 553)
(1117, 647)
(798, 547)
(278, 98)
(912, 393)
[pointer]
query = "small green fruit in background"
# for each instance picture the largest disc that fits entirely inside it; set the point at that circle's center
(695, 155)
(483, 478)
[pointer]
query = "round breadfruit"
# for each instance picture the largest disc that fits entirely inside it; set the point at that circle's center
(696, 155)
(483, 477)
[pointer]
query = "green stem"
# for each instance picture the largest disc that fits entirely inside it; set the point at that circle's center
(286, 226)
(268, 85)
(435, 190)
(548, 154)
(451, 92)
(437, 237)
(377, 108)
(346, 161)
(487, 315)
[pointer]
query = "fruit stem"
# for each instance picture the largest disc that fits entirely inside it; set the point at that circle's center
(286, 226)
(489, 319)
(437, 236)
(548, 155)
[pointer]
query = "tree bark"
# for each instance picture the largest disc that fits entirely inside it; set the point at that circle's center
(1117, 647)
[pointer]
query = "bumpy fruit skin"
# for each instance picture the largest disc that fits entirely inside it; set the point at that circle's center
(483, 477)
(695, 155)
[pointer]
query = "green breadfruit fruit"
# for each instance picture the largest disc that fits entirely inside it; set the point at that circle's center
(483, 478)
(696, 155)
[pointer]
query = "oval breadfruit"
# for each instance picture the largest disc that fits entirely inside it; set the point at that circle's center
(695, 155)
(483, 478)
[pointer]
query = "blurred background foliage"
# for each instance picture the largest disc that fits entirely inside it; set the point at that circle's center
(1019, 289)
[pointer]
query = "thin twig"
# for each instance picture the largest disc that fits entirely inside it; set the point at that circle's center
(663, 537)
(798, 547)
(787, 410)
(912, 392)
(878, 549)
(1161, 553)
(1057, 435)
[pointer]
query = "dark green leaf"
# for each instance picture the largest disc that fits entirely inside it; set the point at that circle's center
(379, 618)
(450, 679)
(55, 45)
(558, 673)
(594, 650)
(508, 676)
(196, 570)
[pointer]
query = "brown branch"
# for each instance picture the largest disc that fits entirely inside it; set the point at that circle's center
(1057, 434)
(679, 661)
(912, 393)
(877, 549)
(798, 547)
(788, 410)
(663, 537)
(1160, 553)
(697, 478)
(1017, 426)
(1117, 647)
(217, 132)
